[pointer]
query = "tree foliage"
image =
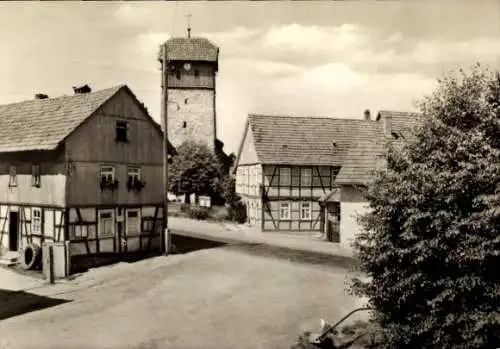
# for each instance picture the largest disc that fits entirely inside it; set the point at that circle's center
(195, 169)
(431, 241)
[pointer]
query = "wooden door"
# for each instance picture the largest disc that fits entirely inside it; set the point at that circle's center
(13, 231)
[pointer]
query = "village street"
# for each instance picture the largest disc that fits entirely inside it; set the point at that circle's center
(227, 296)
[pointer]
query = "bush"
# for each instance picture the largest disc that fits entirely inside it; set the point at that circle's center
(199, 213)
(430, 243)
(237, 212)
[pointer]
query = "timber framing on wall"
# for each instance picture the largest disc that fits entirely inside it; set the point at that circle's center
(321, 181)
(117, 238)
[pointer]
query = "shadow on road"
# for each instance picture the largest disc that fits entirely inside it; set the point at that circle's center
(186, 244)
(14, 303)
(298, 256)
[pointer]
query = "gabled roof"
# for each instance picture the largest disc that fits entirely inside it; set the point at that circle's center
(43, 124)
(364, 156)
(354, 144)
(306, 140)
(190, 49)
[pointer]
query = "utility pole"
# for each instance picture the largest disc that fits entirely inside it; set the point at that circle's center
(165, 239)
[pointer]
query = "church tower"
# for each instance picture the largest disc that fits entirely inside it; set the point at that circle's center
(191, 68)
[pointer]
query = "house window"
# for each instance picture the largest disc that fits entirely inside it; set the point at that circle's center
(284, 211)
(285, 176)
(36, 221)
(196, 73)
(80, 231)
(107, 174)
(122, 131)
(106, 224)
(305, 211)
(133, 222)
(12, 176)
(184, 124)
(35, 176)
(185, 101)
(305, 177)
(134, 175)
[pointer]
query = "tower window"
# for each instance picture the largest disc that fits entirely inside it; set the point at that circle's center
(184, 124)
(178, 74)
(185, 101)
(196, 73)
(122, 131)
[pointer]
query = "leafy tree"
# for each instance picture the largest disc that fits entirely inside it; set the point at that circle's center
(195, 169)
(431, 241)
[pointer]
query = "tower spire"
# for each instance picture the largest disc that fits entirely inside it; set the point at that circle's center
(189, 24)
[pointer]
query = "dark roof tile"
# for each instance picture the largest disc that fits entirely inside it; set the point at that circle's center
(191, 49)
(307, 141)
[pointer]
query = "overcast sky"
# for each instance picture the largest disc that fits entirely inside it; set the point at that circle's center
(300, 58)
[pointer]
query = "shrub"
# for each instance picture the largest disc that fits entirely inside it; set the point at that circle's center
(430, 243)
(199, 213)
(237, 212)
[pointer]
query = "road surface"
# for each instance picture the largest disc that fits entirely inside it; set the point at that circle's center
(222, 297)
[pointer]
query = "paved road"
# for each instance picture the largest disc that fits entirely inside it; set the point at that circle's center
(223, 297)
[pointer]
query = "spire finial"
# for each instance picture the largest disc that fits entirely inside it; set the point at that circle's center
(189, 24)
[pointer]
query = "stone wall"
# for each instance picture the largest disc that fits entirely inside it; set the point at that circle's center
(191, 116)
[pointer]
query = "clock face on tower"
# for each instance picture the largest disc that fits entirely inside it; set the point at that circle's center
(187, 66)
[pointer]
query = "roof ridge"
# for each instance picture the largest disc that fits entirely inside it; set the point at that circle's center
(117, 87)
(306, 117)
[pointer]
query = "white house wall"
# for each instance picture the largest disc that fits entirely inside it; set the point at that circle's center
(353, 204)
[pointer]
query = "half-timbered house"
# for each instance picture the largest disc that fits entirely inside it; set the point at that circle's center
(85, 169)
(288, 170)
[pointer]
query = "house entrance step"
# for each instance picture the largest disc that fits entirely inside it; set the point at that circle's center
(9, 258)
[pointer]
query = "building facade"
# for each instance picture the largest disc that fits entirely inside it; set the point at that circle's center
(309, 174)
(84, 169)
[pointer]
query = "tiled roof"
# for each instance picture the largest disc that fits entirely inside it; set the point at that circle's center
(360, 160)
(285, 140)
(402, 122)
(364, 156)
(191, 49)
(307, 141)
(42, 124)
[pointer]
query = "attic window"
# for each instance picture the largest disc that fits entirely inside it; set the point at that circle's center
(185, 101)
(35, 176)
(122, 131)
(12, 176)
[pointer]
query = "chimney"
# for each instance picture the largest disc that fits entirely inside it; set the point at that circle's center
(82, 89)
(41, 96)
(367, 114)
(387, 123)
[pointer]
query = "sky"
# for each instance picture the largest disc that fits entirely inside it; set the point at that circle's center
(325, 58)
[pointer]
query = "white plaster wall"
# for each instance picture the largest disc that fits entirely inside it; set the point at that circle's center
(349, 226)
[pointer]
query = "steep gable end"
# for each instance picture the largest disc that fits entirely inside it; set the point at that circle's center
(248, 154)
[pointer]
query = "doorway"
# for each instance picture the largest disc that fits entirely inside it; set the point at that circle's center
(13, 230)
